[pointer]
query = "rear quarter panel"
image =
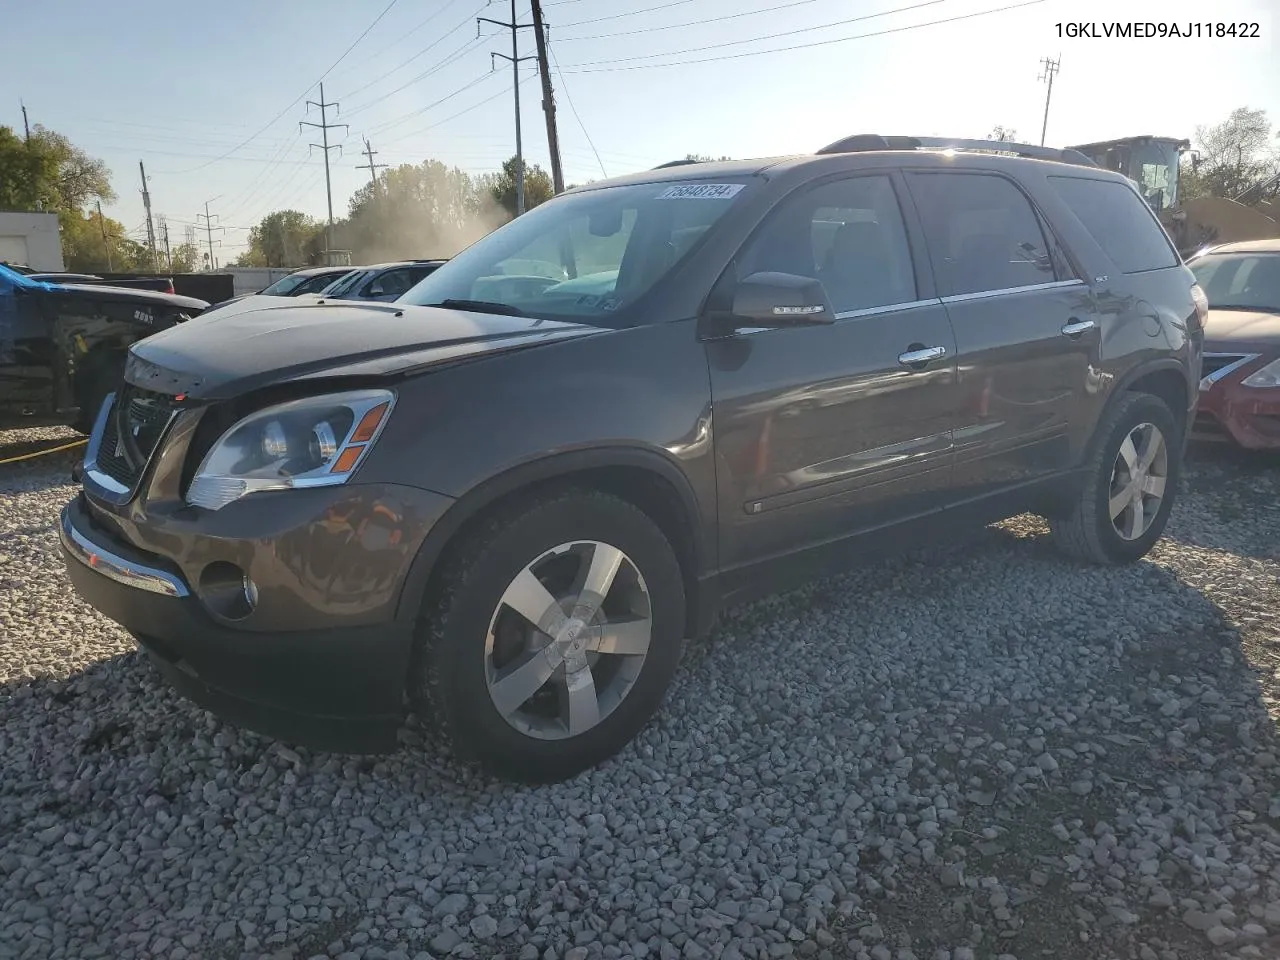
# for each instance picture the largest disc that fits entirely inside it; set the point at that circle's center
(1147, 319)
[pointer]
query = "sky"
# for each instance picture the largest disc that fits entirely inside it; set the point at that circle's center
(211, 100)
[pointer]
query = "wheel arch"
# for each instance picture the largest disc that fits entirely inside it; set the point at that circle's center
(643, 477)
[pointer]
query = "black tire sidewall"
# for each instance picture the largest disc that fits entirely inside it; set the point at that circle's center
(459, 689)
(1143, 408)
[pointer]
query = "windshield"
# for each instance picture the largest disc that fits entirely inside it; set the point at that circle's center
(1240, 280)
(584, 257)
(284, 285)
(344, 284)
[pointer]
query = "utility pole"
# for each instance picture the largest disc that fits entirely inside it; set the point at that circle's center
(324, 126)
(548, 98)
(515, 59)
(372, 167)
(26, 127)
(1050, 70)
(208, 229)
(164, 232)
(106, 242)
(146, 202)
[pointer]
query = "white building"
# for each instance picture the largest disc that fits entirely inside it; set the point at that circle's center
(32, 239)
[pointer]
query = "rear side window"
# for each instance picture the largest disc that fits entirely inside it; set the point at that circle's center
(1121, 223)
(983, 234)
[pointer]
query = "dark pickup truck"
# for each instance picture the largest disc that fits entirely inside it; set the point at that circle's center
(63, 345)
(159, 284)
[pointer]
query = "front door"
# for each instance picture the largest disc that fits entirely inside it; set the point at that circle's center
(1027, 329)
(823, 432)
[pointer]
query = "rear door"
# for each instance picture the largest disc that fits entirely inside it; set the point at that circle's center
(827, 431)
(1026, 328)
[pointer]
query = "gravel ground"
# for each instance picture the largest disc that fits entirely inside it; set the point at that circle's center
(982, 752)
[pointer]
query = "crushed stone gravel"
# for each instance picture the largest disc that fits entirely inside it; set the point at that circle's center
(984, 751)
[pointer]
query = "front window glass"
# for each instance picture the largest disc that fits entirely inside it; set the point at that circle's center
(344, 285)
(584, 257)
(1241, 281)
(284, 286)
(316, 284)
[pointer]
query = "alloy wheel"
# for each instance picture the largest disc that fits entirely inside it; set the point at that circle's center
(568, 640)
(1138, 481)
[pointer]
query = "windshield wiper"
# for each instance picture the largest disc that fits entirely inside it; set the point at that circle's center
(480, 306)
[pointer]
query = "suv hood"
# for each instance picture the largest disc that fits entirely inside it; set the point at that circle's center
(102, 291)
(1240, 328)
(227, 354)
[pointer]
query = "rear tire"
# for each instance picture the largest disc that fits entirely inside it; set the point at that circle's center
(1129, 486)
(519, 662)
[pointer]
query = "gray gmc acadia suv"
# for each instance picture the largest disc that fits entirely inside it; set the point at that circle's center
(506, 499)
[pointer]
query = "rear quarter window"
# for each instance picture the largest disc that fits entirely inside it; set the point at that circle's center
(1119, 221)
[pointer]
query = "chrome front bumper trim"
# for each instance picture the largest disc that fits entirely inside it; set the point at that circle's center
(115, 567)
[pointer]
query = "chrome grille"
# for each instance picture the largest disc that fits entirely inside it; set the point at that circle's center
(131, 432)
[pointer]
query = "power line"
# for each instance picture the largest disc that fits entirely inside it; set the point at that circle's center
(424, 50)
(381, 54)
(767, 36)
(209, 228)
(573, 68)
(387, 124)
(677, 26)
(465, 110)
(300, 96)
(430, 71)
(629, 13)
(582, 126)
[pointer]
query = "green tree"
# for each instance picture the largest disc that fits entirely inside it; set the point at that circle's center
(281, 239)
(185, 258)
(537, 186)
(1003, 134)
(1230, 156)
(87, 248)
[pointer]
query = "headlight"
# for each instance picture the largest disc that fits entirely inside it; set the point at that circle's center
(315, 442)
(1268, 376)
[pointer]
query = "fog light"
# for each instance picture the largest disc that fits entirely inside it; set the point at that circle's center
(228, 591)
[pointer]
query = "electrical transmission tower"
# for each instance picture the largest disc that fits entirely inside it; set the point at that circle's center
(1050, 71)
(324, 126)
(515, 59)
(209, 228)
(163, 224)
(372, 167)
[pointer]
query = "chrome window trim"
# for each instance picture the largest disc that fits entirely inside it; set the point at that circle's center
(115, 567)
(887, 308)
(984, 294)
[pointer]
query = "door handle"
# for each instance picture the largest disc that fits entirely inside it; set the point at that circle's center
(1076, 327)
(920, 357)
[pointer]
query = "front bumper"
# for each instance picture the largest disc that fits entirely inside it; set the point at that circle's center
(1246, 416)
(339, 688)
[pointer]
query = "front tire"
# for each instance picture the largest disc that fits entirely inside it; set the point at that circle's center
(1129, 485)
(552, 637)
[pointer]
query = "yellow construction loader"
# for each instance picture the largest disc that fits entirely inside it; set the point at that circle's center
(1154, 163)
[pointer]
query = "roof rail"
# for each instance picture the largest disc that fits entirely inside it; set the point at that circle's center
(675, 163)
(871, 141)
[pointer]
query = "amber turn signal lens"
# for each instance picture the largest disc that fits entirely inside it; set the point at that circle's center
(369, 424)
(347, 459)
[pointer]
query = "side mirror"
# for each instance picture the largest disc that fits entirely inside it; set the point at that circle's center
(781, 300)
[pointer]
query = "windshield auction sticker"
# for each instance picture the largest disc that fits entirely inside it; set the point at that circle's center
(700, 191)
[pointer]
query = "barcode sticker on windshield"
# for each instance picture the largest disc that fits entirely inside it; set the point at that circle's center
(700, 191)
